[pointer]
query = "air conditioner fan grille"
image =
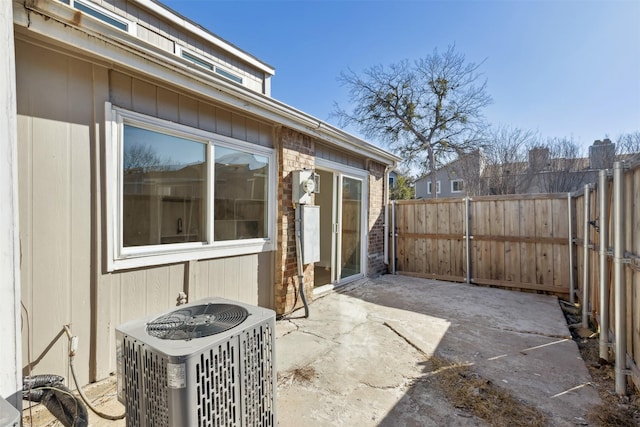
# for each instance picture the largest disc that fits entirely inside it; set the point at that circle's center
(197, 321)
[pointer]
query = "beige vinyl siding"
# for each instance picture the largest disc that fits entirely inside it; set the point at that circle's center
(228, 276)
(140, 96)
(54, 177)
(61, 103)
(335, 155)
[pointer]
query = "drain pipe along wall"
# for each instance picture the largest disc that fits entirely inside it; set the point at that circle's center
(10, 356)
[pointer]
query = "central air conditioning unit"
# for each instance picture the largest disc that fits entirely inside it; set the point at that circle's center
(207, 363)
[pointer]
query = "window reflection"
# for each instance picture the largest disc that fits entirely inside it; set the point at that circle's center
(164, 188)
(241, 190)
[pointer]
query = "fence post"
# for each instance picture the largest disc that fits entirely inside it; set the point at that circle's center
(467, 235)
(572, 279)
(620, 297)
(585, 257)
(603, 199)
(393, 237)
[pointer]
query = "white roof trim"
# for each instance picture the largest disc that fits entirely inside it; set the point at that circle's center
(123, 51)
(189, 26)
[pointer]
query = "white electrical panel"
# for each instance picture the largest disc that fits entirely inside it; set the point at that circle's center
(303, 183)
(310, 234)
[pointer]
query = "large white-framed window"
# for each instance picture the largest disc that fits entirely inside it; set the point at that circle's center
(177, 193)
(457, 186)
(429, 183)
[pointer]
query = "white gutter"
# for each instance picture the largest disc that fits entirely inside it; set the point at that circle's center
(122, 51)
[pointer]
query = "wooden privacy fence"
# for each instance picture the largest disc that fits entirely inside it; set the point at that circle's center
(608, 262)
(583, 247)
(508, 241)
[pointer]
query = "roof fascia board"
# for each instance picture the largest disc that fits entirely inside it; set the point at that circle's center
(189, 26)
(125, 52)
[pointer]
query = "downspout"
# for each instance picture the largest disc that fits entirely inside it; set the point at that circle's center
(467, 236)
(603, 198)
(393, 237)
(386, 214)
(620, 296)
(585, 257)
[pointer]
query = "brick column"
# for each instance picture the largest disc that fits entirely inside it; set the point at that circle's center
(376, 220)
(296, 153)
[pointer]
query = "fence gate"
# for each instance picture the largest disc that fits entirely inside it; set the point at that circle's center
(518, 241)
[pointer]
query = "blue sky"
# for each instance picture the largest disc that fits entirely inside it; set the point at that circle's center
(561, 68)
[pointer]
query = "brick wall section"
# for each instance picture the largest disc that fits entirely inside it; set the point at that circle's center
(376, 220)
(297, 152)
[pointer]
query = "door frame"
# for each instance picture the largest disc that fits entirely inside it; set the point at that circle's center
(340, 171)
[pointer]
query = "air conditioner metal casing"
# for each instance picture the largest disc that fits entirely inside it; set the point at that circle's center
(226, 379)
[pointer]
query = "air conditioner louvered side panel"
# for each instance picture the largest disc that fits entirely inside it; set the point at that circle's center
(145, 386)
(257, 375)
(132, 381)
(217, 385)
(156, 403)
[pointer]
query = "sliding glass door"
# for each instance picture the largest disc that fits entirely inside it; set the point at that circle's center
(342, 232)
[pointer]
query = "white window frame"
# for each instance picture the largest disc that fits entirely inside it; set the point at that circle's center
(457, 191)
(120, 257)
(131, 26)
(215, 68)
(438, 187)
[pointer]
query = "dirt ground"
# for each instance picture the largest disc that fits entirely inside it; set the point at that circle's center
(615, 410)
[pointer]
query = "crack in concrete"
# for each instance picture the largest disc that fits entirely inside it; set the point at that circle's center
(297, 327)
(381, 387)
(406, 339)
(316, 335)
(540, 334)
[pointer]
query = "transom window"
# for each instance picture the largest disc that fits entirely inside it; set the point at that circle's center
(206, 63)
(179, 193)
(102, 14)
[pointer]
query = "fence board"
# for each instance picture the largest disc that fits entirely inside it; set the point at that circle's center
(512, 248)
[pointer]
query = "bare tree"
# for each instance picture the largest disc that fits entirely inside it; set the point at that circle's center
(140, 158)
(426, 111)
(505, 157)
(628, 143)
(558, 166)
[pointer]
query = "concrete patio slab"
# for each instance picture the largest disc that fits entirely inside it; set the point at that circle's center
(360, 359)
(378, 335)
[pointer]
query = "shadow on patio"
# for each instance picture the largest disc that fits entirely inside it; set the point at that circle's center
(361, 357)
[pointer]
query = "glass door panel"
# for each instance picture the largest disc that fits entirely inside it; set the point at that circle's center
(324, 270)
(351, 227)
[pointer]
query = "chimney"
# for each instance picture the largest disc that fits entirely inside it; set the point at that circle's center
(602, 154)
(539, 159)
